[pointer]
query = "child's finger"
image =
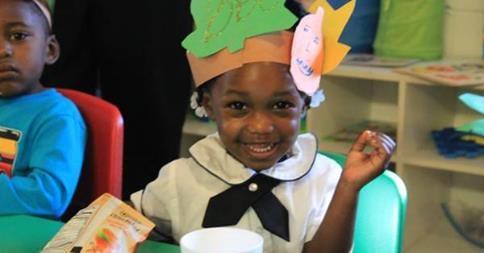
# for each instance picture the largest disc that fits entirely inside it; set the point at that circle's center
(376, 141)
(388, 148)
(382, 141)
(387, 139)
(362, 140)
(382, 151)
(388, 144)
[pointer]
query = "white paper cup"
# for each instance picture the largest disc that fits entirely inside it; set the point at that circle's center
(221, 240)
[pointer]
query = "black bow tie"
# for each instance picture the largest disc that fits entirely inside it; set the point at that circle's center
(227, 207)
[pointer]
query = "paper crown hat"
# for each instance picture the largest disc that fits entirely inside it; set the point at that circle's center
(230, 33)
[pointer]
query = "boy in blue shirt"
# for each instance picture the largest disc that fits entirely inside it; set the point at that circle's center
(42, 134)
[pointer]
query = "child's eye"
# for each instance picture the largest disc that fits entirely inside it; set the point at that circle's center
(281, 105)
(237, 106)
(17, 36)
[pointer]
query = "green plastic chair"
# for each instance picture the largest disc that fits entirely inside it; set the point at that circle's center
(380, 215)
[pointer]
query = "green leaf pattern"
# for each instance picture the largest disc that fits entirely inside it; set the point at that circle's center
(227, 23)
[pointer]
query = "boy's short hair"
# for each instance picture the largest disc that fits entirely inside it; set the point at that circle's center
(40, 13)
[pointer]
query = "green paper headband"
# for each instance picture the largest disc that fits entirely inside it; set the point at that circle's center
(227, 23)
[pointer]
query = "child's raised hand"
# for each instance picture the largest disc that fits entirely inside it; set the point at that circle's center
(360, 167)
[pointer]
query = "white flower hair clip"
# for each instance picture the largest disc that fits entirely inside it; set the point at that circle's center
(195, 105)
(317, 98)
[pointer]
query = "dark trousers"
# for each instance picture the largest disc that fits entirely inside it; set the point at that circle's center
(130, 51)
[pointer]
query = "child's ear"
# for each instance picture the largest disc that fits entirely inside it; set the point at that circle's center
(207, 104)
(53, 50)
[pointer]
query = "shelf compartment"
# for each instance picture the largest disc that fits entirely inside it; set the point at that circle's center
(442, 239)
(427, 108)
(427, 189)
(350, 102)
(426, 228)
(429, 158)
(440, 236)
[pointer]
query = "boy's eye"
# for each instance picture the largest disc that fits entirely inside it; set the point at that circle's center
(237, 106)
(283, 105)
(18, 36)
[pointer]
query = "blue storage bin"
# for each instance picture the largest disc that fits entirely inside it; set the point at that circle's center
(360, 31)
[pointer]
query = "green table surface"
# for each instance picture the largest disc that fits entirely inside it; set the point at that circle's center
(26, 234)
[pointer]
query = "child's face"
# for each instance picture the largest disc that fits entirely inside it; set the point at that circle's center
(25, 47)
(257, 109)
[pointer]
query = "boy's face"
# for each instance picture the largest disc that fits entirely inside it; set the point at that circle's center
(257, 109)
(25, 46)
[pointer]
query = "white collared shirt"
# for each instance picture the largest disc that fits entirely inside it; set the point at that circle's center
(177, 199)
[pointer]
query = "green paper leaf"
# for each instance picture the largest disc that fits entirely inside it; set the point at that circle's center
(476, 127)
(227, 23)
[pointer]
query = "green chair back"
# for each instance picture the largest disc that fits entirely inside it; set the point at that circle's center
(380, 215)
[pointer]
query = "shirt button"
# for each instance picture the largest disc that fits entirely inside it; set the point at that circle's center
(253, 187)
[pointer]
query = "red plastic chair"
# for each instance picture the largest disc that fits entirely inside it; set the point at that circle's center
(103, 164)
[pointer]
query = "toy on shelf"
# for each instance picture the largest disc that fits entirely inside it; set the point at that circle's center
(452, 143)
(466, 140)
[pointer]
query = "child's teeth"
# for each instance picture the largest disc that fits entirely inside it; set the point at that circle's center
(258, 149)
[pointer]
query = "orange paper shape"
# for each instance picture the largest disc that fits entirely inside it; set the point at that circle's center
(333, 25)
(272, 47)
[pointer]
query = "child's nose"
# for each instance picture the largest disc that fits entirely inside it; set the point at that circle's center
(260, 123)
(5, 49)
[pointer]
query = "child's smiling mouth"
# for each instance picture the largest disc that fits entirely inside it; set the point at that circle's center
(260, 150)
(261, 147)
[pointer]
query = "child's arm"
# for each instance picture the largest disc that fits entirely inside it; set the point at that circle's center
(47, 169)
(336, 231)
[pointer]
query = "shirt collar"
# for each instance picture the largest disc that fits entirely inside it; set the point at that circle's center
(44, 93)
(212, 156)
